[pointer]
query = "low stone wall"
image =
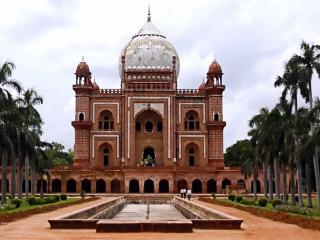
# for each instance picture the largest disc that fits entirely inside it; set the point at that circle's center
(111, 211)
(149, 198)
(82, 219)
(143, 226)
(205, 218)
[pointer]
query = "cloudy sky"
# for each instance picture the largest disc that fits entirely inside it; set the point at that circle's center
(251, 39)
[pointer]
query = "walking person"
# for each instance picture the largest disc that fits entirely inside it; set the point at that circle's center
(189, 194)
(181, 192)
(184, 193)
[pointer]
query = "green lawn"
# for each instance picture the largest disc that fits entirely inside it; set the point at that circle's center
(269, 207)
(26, 207)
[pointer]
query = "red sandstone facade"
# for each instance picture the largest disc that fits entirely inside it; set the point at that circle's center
(180, 129)
(148, 135)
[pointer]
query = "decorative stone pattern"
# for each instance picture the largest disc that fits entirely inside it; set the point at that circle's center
(82, 144)
(215, 106)
(82, 105)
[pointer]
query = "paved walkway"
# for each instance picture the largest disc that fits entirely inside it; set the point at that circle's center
(36, 227)
(157, 212)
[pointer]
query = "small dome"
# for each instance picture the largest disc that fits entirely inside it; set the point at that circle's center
(83, 69)
(202, 86)
(95, 86)
(215, 68)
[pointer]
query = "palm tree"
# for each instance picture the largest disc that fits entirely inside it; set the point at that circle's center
(310, 61)
(6, 118)
(286, 126)
(43, 162)
(260, 138)
(250, 163)
(31, 132)
(293, 80)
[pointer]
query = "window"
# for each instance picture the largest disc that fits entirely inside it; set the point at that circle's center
(159, 126)
(192, 121)
(106, 157)
(216, 117)
(149, 126)
(106, 121)
(81, 117)
(191, 157)
(138, 126)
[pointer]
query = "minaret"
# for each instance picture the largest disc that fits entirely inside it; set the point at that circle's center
(82, 123)
(215, 124)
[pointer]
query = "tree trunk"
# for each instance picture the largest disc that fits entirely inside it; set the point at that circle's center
(26, 175)
(41, 185)
(13, 177)
(284, 184)
(4, 155)
(276, 176)
(292, 187)
(19, 178)
(265, 179)
(299, 175)
(48, 183)
(254, 187)
(316, 173)
(33, 175)
(308, 183)
(296, 155)
(270, 184)
(315, 152)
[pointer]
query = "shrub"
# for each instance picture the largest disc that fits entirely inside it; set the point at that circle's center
(262, 202)
(16, 202)
(57, 197)
(51, 199)
(83, 194)
(248, 201)
(276, 202)
(231, 197)
(32, 201)
(239, 198)
(63, 197)
(42, 201)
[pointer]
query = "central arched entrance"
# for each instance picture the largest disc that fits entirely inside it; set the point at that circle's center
(148, 186)
(148, 142)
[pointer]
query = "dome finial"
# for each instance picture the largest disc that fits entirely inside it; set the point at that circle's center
(82, 58)
(149, 14)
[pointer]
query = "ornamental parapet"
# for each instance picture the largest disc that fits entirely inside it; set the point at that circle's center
(189, 92)
(110, 91)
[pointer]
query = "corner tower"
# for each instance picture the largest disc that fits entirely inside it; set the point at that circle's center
(215, 124)
(82, 123)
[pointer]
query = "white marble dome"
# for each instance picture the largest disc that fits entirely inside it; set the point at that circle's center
(149, 49)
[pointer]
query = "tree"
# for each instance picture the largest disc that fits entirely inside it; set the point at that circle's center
(260, 138)
(43, 162)
(293, 81)
(6, 118)
(30, 134)
(309, 60)
(232, 157)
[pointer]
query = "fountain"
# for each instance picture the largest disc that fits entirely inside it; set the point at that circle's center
(149, 214)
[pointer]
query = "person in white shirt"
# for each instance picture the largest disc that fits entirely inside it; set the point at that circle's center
(184, 193)
(189, 194)
(181, 192)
